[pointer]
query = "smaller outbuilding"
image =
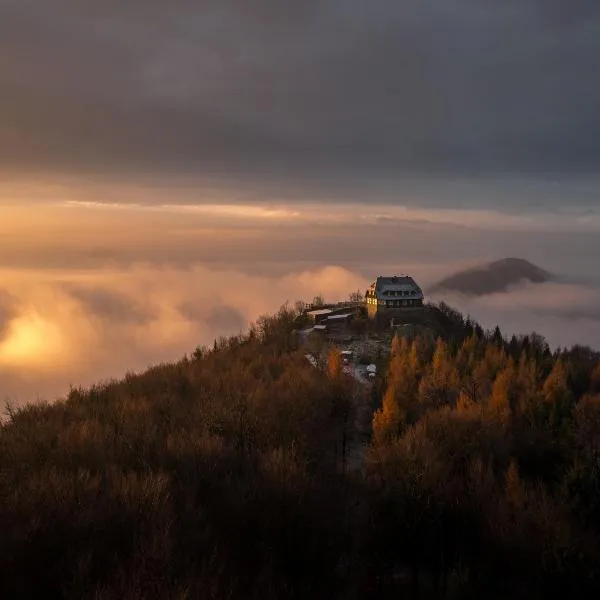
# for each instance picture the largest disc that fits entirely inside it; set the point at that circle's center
(319, 315)
(339, 321)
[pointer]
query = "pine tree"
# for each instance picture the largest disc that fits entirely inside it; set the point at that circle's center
(497, 337)
(404, 383)
(439, 385)
(555, 387)
(396, 346)
(504, 394)
(334, 364)
(415, 356)
(557, 397)
(388, 420)
(467, 355)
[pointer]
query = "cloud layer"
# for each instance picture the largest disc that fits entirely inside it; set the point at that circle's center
(90, 290)
(320, 87)
(170, 170)
(60, 327)
(566, 314)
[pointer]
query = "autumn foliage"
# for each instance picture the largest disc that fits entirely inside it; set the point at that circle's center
(485, 466)
(225, 475)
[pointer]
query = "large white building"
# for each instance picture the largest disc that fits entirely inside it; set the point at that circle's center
(389, 293)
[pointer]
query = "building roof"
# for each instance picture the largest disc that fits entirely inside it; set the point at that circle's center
(319, 312)
(384, 287)
(395, 281)
(339, 317)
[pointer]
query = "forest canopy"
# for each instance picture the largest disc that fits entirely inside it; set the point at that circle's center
(225, 475)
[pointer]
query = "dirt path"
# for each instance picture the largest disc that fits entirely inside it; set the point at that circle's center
(360, 435)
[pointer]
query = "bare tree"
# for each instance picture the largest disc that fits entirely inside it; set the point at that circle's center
(356, 296)
(318, 300)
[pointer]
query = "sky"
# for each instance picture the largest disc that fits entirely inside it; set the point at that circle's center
(171, 170)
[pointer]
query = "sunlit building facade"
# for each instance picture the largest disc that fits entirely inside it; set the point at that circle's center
(387, 295)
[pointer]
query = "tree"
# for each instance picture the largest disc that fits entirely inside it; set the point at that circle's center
(318, 301)
(403, 381)
(479, 331)
(539, 345)
(467, 355)
(587, 419)
(395, 350)
(356, 296)
(469, 329)
(400, 346)
(334, 364)
(504, 394)
(555, 387)
(199, 353)
(513, 348)
(439, 385)
(557, 397)
(495, 360)
(497, 337)
(299, 307)
(388, 420)
(416, 356)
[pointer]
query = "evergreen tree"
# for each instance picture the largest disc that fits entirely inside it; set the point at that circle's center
(504, 397)
(388, 420)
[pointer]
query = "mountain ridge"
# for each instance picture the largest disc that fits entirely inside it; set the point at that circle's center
(492, 277)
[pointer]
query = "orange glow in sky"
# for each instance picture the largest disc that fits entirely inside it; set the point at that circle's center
(34, 341)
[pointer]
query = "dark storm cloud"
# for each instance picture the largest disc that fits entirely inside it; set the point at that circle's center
(309, 87)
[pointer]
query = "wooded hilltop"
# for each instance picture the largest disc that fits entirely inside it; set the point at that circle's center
(224, 476)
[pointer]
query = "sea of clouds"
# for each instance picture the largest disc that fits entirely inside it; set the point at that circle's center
(91, 290)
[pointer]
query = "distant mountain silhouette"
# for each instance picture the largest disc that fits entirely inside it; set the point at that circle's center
(493, 277)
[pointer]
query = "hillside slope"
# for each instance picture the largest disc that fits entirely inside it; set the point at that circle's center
(224, 475)
(492, 277)
(199, 479)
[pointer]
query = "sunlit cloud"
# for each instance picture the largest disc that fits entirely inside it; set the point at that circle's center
(202, 203)
(239, 211)
(77, 328)
(32, 340)
(97, 283)
(356, 213)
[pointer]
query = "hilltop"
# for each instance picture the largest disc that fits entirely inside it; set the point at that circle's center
(226, 474)
(493, 277)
